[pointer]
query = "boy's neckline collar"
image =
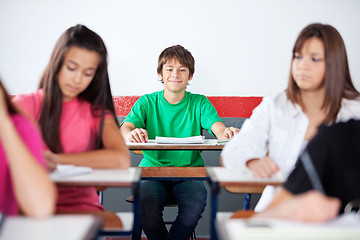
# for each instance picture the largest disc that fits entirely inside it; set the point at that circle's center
(163, 94)
(174, 104)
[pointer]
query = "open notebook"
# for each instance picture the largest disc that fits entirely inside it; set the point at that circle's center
(186, 140)
(64, 171)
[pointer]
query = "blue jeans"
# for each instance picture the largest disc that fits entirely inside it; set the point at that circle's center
(191, 199)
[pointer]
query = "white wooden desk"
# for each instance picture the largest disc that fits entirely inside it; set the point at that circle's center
(104, 177)
(166, 173)
(111, 178)
(220, 176)
(60, 227)
(235, 178)
(209, 145)
(344, 227)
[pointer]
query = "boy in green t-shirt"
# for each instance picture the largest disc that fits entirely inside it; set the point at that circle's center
(172, 112)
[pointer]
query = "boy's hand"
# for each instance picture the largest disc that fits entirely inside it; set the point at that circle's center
(229, 132)
(138, 135)
(264, 167)
(223, 132)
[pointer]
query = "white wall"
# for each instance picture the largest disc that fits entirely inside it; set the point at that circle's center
(242, 48)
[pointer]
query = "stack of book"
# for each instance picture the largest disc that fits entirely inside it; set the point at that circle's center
(186, 140)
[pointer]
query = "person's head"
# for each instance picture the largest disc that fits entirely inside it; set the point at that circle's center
(77, 71)
(9, 105)
(77, 68)
(176, 53)
(319, 61)
(80, 38)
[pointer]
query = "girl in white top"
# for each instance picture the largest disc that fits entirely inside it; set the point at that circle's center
(320, 91)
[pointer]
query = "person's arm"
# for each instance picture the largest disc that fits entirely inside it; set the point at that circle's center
(223, 132)
(260, 167)
(263, 167)
(115, 153)
(311, 206)
(34, 191)
(248, 149)
(251, 141)
(132, 134)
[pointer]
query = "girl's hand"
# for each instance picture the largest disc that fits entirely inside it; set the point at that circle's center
(264, 167)
(138, 135)
(51, 160)
(313, 206)
(3, 107)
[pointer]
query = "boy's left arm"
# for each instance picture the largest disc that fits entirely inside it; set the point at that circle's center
(223, 132)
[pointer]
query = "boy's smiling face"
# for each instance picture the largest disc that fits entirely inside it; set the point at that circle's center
(175, 76)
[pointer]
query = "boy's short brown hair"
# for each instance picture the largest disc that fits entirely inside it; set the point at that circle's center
(181, 54)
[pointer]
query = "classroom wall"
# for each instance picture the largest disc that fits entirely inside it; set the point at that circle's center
(241, 47)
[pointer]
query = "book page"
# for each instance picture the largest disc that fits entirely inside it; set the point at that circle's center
(64, 171)
(346, 226)
(187, 140)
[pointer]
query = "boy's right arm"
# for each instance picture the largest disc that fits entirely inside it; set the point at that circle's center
(132, 134)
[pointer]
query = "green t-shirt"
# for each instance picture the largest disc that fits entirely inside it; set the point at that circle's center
(184, 119)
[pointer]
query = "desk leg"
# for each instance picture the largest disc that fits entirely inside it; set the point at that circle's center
(136, 233)
(214, 192)
(246, 205)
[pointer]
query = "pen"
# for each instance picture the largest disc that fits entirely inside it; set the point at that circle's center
(2, 219)
(311, 171)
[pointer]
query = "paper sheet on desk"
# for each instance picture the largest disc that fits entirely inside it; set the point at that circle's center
(186, 140)
(152, 141)
(344, 227)
(236, 174)
(63, 171)
(349, 220)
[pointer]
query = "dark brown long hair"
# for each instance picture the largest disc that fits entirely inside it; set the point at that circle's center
(98, 93)
(9, 105)
(337, 80)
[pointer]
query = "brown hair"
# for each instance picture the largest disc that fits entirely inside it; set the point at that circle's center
(337, 80)
(98, 93)
(9, 105)
(181, 54)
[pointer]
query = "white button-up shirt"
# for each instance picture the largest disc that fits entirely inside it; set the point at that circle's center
(276, 127)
